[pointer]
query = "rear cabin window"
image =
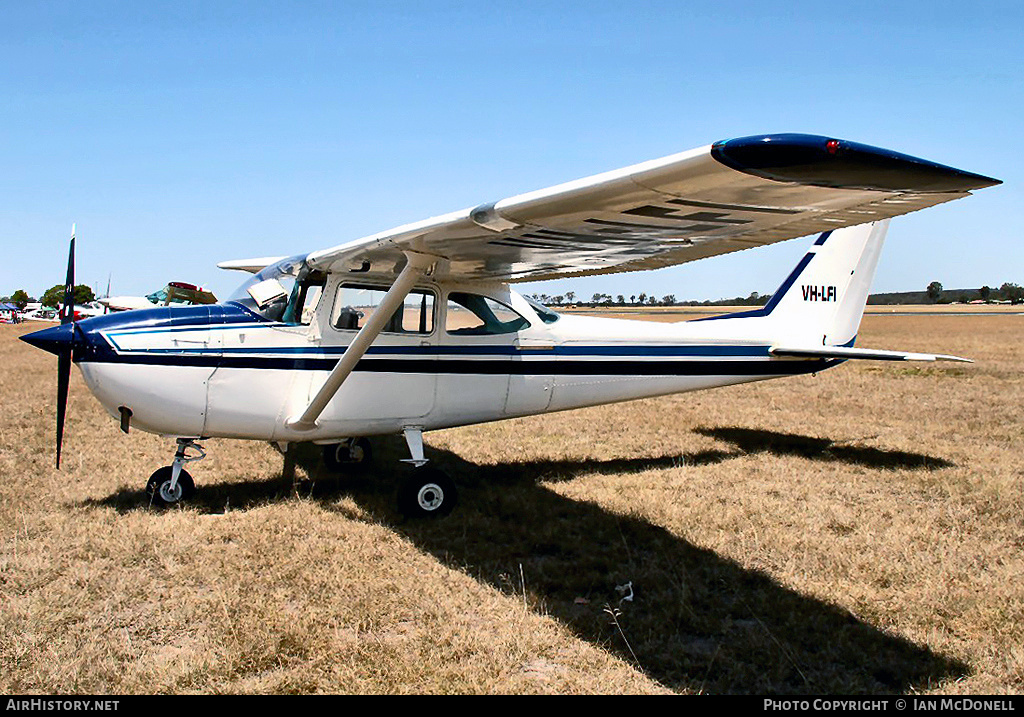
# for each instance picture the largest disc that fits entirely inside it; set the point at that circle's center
(476, 315)
(355, 303)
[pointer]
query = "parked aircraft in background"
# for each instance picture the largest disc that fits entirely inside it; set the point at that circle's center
(81, 311)
(41, 314)
(176, 293)
(417, 328)
(87, 311)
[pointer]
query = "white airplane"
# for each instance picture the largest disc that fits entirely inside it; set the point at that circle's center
(416, 328)
(41, 314)
(86, 311)
(177, 293)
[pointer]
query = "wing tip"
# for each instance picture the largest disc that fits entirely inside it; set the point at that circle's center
(841, 164)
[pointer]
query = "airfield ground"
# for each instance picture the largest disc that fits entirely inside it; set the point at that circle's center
(859, 531)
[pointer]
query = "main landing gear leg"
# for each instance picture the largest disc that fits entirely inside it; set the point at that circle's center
(427, 492)
(173, 484)
(351, 454)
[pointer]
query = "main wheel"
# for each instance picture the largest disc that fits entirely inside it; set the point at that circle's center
(347, 455)
(427, 493)
(158, 488)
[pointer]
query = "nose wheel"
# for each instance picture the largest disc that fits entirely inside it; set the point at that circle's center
(173, 484)
(163, 493)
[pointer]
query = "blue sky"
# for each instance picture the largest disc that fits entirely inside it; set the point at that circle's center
(181, 134)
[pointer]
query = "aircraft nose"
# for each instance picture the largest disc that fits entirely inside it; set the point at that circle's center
(53, 339)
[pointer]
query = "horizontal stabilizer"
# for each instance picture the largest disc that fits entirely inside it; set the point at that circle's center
(844, 352)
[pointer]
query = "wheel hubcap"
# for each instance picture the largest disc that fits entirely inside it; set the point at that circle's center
(430, 497)
(170, 496)
(349, 453)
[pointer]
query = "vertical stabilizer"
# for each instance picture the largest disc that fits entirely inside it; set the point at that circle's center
(822, 301)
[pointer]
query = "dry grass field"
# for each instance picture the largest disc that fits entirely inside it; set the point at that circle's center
(859, 531)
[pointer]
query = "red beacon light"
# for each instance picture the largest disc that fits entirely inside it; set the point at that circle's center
(832, 146)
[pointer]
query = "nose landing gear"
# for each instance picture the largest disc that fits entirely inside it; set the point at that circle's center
(172, 484)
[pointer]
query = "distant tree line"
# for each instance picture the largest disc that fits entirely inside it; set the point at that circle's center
(52, 297)
(643, 299)
(19, 298)
(936, 293)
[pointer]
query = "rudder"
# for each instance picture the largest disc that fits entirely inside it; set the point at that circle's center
(822, 302)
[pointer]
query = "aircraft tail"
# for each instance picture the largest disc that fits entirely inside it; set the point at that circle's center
(816, 313)
(822, 301)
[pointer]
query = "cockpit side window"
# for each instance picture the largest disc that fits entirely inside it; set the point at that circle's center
(355, 303)
(476, 315)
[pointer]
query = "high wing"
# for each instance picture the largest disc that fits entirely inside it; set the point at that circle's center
(731, 195)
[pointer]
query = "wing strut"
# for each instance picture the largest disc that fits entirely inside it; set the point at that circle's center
(416, 266)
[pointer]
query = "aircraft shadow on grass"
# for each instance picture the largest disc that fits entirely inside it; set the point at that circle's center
(752, 440)
(697, 621)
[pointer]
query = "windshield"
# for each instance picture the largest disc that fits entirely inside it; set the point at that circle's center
(181, 296)
(270, 292)
(158, 297)
(544, 313)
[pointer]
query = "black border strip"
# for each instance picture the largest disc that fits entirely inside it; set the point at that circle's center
(769, 367)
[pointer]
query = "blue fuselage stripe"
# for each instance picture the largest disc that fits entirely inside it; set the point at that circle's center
(557, 367)
(468, 351)
(104, 339)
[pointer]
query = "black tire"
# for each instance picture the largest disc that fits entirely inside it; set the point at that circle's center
(427, 493)
(348, 455)
(157, 488)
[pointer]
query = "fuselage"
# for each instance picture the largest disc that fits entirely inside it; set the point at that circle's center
(225, 370)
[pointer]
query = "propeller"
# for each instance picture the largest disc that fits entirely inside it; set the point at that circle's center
(60, 340)
(67, 316)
